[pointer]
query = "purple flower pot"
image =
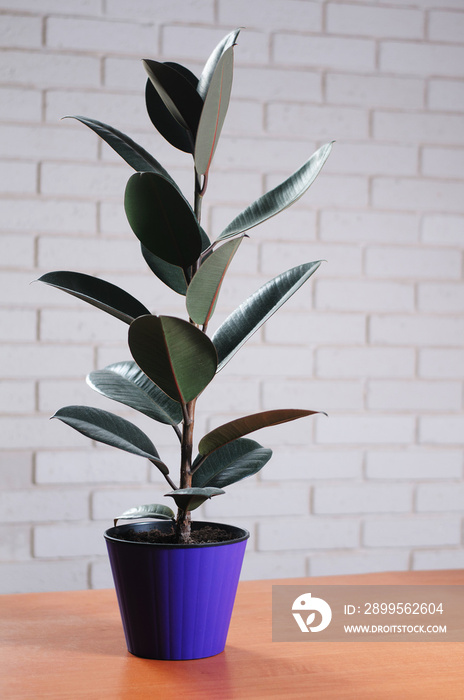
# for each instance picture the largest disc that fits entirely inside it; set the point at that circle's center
(175, 600)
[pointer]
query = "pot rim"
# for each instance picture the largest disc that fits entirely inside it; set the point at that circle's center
(242, 534)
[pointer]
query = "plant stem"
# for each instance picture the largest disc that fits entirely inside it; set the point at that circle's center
(183, 517)
(198, 198)
(183, 521)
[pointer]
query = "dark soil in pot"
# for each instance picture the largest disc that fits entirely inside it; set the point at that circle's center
(207, 533)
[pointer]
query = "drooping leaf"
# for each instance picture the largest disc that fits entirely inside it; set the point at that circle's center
(165, 123)
(203, 291)
(249, 316)
(153, 510)
(97, 292)
(248, 424)
(126, 383)
(210, 66)
(189, 499)
(214, 112)
(162, 219)
(134, 155)
(175, 354)
(279, 198)
(177, 92)
(172, 275)
(231, 463)
(110, 429)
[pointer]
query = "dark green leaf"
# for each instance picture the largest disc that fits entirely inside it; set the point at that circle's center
(214, 112)
(126, 383)
(177, 92)
(248, 424)
(162, 219)
(183, 70)
(189, 499)
(153, 510)
(205, 242)
(164, 122)
(249, 316)
(161, 117)
(136, 156)
(103, 295)
(111, 430)
(280, 197)
(205, 286)
(210, 66)
(175, 354)
(231, 463)
(172, 275)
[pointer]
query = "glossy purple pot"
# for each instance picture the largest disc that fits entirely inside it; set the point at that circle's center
(175, 600)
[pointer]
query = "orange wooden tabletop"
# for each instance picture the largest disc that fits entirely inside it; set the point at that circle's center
(71, 645)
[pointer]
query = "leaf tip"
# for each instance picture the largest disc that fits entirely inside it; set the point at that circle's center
(237, 30)
(71, 116)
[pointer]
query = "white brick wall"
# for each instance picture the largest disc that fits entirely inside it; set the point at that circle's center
(375, 338)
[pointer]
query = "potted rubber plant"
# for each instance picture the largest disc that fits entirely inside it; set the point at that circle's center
(176, 579)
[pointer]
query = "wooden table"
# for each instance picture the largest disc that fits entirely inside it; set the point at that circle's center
(71, 645)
